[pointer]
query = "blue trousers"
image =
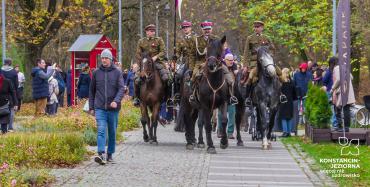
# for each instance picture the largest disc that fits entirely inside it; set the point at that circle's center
(106, 119)
(231, 119)
(287, 125)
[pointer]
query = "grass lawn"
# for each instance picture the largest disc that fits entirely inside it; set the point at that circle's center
(351, 171)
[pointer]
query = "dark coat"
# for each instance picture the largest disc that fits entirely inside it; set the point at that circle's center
(10, 73)
(40, 85)
(106, 86)
(130, 82)
(301, 81)
(69, 81)
(83, 85)
(286, 109)
(327, 80)
(7, 93)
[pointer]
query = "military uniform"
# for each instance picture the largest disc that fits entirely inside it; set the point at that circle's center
(198, 51)
(183, 48)
(250, 52)
(155, 47)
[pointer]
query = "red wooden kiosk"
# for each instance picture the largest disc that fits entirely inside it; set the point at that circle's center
(85, 51)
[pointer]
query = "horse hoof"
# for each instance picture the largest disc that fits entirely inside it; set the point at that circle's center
(265, 147)
(240, 143)
(146, 139)
(224, 146)
(189, 147)
(151, 141)
(211, 150)
(201, 146)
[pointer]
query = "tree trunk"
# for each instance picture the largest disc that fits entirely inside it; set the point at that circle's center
(32, 53)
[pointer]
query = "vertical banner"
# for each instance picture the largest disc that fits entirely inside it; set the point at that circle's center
(344, 47)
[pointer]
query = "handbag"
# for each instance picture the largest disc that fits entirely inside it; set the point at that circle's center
(4, 110)
(86, 106)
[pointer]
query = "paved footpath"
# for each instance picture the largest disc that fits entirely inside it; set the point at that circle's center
(169, 164)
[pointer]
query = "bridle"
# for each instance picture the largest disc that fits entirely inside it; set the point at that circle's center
(215, 90)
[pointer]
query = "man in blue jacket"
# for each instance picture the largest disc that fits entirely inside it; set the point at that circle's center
(40, 86)
(105, 95)
(301, 80)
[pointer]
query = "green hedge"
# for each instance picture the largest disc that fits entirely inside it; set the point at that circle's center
(317, 107)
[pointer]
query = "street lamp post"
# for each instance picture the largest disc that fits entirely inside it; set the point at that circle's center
(120, 31)
(3, 29)
(167, 10)
(157, 21)
(334, 39)
(141, 19)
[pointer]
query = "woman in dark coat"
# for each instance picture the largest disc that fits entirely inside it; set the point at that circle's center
(84, 83)
(286, 109)
(7, 94)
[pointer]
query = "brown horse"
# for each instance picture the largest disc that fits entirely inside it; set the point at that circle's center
(151, 95)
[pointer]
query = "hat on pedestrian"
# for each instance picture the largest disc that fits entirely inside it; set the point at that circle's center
(206, 25)
(258, 23)
(303, 66)
(185, 24)
(106, 53)
(150, 27)
(229, 56)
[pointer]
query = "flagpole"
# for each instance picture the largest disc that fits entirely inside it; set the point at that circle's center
(174, 29)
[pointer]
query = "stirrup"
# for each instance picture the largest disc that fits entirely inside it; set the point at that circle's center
(248, 102)
(233, 100)
(283, 98)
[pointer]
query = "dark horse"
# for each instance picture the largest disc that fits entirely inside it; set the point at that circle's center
(213, 92)
(266, 95)
(151, 96)
(188, 114)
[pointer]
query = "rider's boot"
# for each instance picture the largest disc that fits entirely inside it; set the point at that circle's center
(195, 81)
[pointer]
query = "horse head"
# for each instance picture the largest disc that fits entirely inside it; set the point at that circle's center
(214, 53)
(265, 61)
(147, 65)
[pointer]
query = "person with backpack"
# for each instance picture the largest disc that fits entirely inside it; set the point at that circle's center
(10, 73)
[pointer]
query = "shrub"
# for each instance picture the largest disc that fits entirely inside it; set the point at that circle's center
(90, 136)
(317, 106)
(129, 117)
(38, 150)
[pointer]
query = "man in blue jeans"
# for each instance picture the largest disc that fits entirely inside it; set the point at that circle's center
(106, 93)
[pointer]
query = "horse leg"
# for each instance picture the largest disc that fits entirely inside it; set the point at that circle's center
(208, 127)
(224, 141)
(189, 132)
(271, 126)
(262, 113)
(239, 115)
(144, 121)
(155, 116)
(200, 128)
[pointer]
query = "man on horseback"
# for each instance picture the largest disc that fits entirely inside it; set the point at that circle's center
(197, 58)
(183, 47)
(155, 47)
(254, 41)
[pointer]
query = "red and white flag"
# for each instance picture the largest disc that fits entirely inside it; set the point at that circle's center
(178, 7)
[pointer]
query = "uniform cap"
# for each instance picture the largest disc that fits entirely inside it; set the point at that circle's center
(258, 23)
(186, 24)
(106, 53)
(206, 25)
(150, 27)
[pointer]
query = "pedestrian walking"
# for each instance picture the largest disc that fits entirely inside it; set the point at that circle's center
(61, 77)
(287, 108)
(84, 83)
(68, 84)
(106, 93)
(40, 86)
(328, 84)
(10, 73)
